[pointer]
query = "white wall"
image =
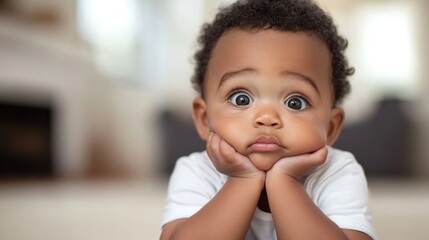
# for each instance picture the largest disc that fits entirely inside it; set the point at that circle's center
(119, 119)
(36, 70)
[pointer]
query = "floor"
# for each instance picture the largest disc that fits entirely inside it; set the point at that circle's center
(82, 210)
(400, 209)
(127, 210)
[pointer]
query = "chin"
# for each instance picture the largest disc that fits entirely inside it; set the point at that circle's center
(264, 161)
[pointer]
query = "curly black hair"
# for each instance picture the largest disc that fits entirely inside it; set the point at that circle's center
(281, 15)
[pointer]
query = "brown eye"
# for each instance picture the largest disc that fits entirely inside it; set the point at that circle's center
(297, 103)
(241, 99)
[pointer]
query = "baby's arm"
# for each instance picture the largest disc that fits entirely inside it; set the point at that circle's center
(228, 215)
(295, 215)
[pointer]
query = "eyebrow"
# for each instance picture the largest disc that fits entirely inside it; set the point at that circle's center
(300, 76)
(304, 78)
(232, 74)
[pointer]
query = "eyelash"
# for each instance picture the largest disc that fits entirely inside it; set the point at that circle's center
(299, 95)
(234, 91)
(238, 90)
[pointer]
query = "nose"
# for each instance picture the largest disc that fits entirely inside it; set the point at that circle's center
(267, 117)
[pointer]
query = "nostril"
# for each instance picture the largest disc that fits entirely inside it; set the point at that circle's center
(268, 123)
(267, 117)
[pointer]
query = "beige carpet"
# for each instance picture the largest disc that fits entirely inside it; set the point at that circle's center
(128, 210)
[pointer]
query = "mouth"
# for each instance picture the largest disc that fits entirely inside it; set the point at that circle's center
(265, 144)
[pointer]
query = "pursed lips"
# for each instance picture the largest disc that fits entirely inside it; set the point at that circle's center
(265, 144)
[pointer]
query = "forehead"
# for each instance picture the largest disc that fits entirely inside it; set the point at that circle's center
(277, 38)
(270, 50)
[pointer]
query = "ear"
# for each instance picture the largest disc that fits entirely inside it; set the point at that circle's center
(335, 124)
(199, 115)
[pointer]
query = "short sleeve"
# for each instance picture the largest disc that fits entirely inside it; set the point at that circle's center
(339, 188)
(193, 183)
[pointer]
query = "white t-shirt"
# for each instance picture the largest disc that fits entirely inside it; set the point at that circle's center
(338, 188)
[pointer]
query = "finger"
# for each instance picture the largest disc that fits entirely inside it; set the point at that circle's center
(319, 157)
(230, 155)
(210, 144)
(209, 138)
(226, 149)
(214, 145)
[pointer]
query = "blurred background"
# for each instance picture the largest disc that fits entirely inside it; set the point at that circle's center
(95, 104)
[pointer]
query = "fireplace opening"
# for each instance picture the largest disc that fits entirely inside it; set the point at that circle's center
(26, 140)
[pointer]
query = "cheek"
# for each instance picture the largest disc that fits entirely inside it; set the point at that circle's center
(231, 130)
(307, 137)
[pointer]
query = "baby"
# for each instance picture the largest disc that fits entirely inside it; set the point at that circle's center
(270, 76)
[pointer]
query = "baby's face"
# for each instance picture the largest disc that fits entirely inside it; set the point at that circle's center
(268, 94)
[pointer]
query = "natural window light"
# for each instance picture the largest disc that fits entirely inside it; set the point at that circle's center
(111, 27)
(385, 48)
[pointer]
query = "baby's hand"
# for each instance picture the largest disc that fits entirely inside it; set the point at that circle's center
(228, 161)
(300, 165)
